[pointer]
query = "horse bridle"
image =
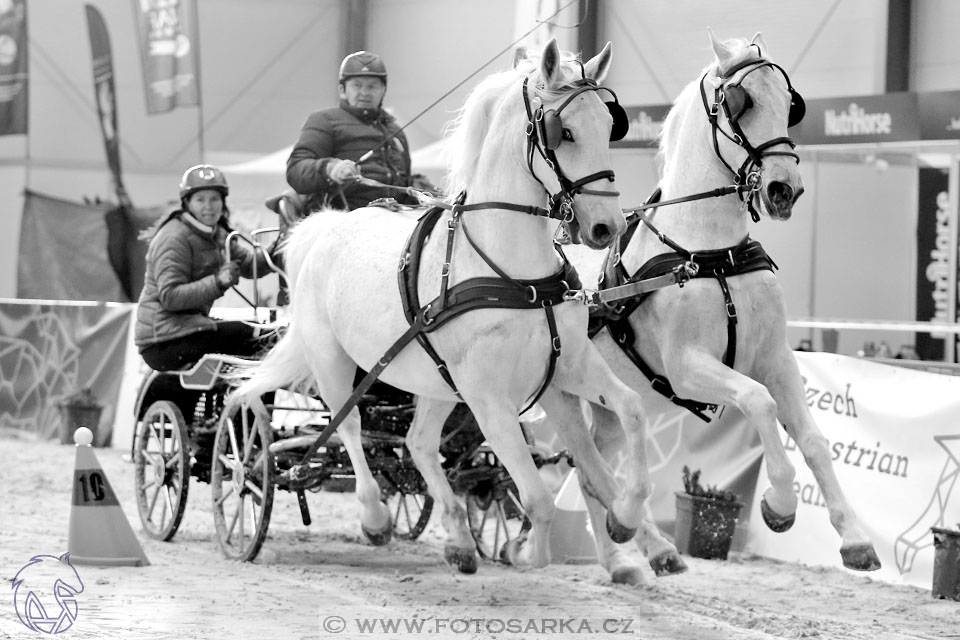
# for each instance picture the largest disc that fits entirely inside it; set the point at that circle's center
(731, 98)
(545, 133)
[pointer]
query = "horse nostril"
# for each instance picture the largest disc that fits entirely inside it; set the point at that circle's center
(601, 234)
(780, 194)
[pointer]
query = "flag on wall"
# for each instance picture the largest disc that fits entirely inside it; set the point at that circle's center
(169, 53)
(13, 67)
(104, 89)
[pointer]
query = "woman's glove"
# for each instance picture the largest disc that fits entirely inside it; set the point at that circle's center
(339, 171)
(229, 275)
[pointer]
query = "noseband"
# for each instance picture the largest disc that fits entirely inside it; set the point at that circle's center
(733, 100)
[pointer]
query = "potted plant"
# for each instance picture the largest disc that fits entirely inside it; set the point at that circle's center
(946, 563)
(706, 518)
(79, 410)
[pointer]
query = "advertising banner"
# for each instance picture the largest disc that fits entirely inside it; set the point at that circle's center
(104, 89)
(895, 445)
(169, 53)
(14, 97)
(934, 270)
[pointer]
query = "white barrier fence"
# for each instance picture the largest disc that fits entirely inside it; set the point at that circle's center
(894, 435)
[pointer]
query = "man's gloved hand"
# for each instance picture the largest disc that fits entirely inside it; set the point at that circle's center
(339, 171)
(229, 274)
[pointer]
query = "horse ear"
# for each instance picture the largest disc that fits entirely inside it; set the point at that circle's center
(760, 42)
(550, 63)
(598, 66)
(721, 50)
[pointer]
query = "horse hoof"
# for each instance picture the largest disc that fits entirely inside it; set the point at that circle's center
(619, 533)
(509, 551)
(628, 575)
(378, 538)
(465, 560)
(668, 564)
(860, 557)
(776, 523)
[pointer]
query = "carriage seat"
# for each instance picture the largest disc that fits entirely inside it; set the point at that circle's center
(209, 370)
(288, 204)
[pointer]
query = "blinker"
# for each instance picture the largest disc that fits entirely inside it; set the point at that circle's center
(550, 125)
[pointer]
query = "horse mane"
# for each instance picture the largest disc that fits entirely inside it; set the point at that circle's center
(466, 133)
(691, 93)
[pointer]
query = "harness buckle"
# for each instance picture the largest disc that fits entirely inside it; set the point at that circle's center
(731, 310)
(662, 386)
(531, 294)
(404, 261)
(445, 270)
(556, 344)
(425, 315)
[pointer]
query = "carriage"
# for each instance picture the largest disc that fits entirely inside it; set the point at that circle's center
(182, 432)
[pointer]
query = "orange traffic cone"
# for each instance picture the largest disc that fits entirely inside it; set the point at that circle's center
(571, 537)
(100, 534)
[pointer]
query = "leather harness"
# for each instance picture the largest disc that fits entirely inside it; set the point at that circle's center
(718, 264)
(476, 293)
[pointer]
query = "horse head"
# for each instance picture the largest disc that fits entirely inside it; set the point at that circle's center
(751, 103)
(550, 116)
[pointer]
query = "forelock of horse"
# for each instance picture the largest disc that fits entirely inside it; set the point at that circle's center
(671, 124)
(468, 130)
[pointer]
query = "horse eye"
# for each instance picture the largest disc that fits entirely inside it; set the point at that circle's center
(566, 135)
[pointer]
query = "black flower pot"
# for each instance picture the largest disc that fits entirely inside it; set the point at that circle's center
(705, 526)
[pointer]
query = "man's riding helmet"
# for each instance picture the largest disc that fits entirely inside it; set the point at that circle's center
(200, 177)
(362, 63)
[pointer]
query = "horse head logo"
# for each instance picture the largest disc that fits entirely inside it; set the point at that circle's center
(45, 593)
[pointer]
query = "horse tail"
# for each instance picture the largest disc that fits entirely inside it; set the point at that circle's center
(284, 367)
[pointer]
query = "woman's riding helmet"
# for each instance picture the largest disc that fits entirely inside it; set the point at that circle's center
(200, 177)
(362, 63)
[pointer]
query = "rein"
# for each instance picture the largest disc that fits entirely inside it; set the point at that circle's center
(480, 293)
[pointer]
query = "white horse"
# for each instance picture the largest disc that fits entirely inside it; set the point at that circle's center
(539, 129)
(721, 338)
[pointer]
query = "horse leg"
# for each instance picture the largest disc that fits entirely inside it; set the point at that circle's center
(423, 441)
(662, 555)
(699, 374)
(334, 371)
(593, 380)
(856, 548)
(498, 422)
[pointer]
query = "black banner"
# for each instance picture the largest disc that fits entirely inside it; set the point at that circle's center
(104, 89)
(934, 242)
(14, 97)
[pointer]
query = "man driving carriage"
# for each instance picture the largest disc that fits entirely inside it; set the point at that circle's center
(187, 271)
(358, 137)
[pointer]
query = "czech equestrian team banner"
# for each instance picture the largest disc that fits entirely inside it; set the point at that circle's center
(169, 52)
(104, 89)
(894, 440)
(13, 68)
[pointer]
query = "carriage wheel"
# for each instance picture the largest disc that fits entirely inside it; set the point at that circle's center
(410, 513)
(494, 521)
(161, 469)
(241, 482)
(406, 497)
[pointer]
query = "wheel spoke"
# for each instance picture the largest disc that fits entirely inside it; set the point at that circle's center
(226, 494)
(233, 525)
(153, 500)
